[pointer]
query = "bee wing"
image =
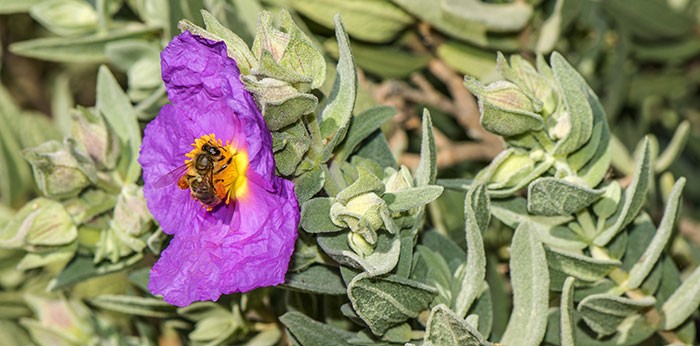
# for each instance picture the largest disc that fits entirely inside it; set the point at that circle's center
(171, 177)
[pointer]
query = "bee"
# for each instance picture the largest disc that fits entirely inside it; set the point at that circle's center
(203, 174)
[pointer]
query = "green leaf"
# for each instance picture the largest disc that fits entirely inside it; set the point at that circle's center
(643, 267)
(301, 54)
(551, 196)
(381, 261)
(82, 268)
(316, 216)
(116, 107)
(579, 113)
(87, 49)
(437, 274)
(290, 146)
(17, 6)
(306, 331)
(376, 148)
(530, 281)
(683, 302)
(317, 279)
(609, 201)
(444, 327)
(597, 166)
(372, 21)
(467, 30)
(674, 148)
(412, 197)
(513, 212)
(650, 19)
(635, 194)
(427, 167)
(337, 114)
(384, 61)
(446, 247)
(466, 59)
(366, 182)
(309, 183)
(497, 17)
(550, 31)
(583, 155)
(131, 305)
(58, 256)
(604, 313)
(634, 331)
(363, 125)
(580, 266)
(568, 332)
(65, 17)
(236, 48)
(477, 217)
(385, 302)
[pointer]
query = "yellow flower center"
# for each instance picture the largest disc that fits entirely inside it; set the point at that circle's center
(216, 172)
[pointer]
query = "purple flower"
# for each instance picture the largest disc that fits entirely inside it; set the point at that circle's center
(234, 222)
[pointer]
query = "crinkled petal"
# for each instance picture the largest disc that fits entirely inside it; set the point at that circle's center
(251, 251)
(199, 76)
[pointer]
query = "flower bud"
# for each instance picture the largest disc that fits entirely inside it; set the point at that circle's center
(398, 180)
(513, 169)
(505, 109)
(41, 222)
(92, 133)
(362, 214)
(539, 86)
(58, 172)
(131, 214)
(58, 320)
(358, 244)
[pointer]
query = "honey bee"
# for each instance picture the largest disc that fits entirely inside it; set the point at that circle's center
(203, 174)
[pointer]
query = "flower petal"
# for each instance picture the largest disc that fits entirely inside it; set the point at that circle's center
(252, 251)
(203, 81)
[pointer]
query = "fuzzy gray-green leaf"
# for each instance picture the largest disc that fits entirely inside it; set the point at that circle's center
(683, 302)
(476, 216)
(497, 17)
(651, 255)
(116, 107)
(363, 125)
(87, 49)
(306, 331)
(568, 332)
(385, 302)
(381, 261)
(372, 21)
(412, 197)
(444, 327)
(470, 31)
(530, 280)
(579, 113)
(337, 114)
(605, 312)
(309, 183)
(317, 279)
(316, 216)
(635, 194)
(552, 196)
(236, 48)
(427, 168)
(674, 148)
(141, 306)
(580, 266)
